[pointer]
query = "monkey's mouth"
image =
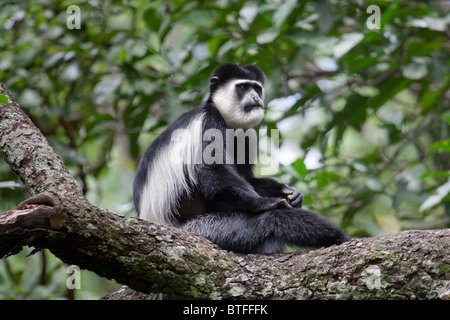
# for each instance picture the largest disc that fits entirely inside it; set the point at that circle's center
(251, 107)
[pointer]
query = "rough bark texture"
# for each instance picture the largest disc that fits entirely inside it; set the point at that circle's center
(153, 258)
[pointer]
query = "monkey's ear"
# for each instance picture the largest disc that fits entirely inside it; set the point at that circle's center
(213, 83)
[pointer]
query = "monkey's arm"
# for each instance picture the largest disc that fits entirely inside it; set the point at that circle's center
(228, 190)
(268, 187)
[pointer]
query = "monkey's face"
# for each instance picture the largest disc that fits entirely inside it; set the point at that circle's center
(240, 102)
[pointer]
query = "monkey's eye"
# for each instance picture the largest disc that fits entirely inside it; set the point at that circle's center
(242, 87)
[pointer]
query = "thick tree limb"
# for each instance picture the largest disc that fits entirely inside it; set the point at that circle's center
(154, 258)
(151, 258)
(29, 155)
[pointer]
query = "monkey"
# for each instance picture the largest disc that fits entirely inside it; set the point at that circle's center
(222, 200)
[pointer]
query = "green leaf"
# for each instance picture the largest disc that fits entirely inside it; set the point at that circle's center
(215, 43)
(283, 11)
(156, 62)
(122, 54)
(428, 96)
(415, 71)
(324, 178)
(266, 37)
(387, 89)
(300, 167)
(446, 117)
(4, 99)
(441, 146)
(152, 20)
(441, 192)
(361, 62)
(354, 113)
(70, 73)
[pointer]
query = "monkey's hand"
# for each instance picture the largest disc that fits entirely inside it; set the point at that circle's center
(293, 196)
(266, 204)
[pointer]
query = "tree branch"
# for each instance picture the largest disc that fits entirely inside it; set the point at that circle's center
(154, 258)
(29, 155)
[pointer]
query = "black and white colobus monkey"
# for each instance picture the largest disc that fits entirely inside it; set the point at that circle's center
(225, 202)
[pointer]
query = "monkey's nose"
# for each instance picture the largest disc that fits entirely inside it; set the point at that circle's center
(257, 100)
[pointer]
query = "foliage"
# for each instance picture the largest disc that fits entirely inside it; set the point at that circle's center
(363, 113)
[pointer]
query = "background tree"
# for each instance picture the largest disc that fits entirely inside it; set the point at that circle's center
(363, 113)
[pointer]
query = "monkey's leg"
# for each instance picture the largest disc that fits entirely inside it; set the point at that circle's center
(302, 227)
(267, 232)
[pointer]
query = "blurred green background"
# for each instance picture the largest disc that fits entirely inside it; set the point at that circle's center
(363, 112)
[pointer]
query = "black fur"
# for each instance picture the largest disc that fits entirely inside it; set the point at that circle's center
(230, 71)
(228, 204)
(266, 232)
